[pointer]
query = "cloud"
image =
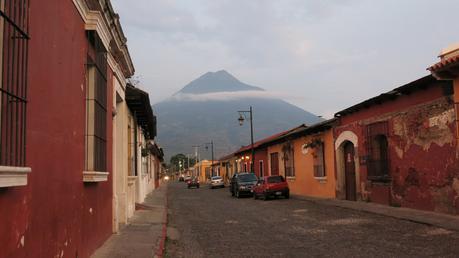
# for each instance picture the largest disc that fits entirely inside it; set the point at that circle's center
(327, 54)
(227, 96)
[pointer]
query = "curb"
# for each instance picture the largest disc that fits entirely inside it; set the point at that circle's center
(429, 218)
(162, 243)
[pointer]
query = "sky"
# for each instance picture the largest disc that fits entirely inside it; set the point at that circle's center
(321, 55)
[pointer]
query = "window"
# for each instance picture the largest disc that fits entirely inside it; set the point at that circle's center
(13, 85)
(207, 170)
(319, 161)
(274, 158)
(261, 168)
(377, 144)
(287, 150)
(96, 105)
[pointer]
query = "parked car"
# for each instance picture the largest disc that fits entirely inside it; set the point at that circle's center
(193, 182)
(242, 184)
(271, 186)
(216, 181)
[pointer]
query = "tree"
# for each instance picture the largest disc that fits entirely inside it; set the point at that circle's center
(180, 161)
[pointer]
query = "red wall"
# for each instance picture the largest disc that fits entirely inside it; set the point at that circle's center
(261, 154)
(423, 164)
(56, 213)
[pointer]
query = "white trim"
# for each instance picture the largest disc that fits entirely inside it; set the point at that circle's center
(131, 180)
(261, 167)
(13, 176)
(117, 71)
(346, 136)
(95, 176)
(94, 20)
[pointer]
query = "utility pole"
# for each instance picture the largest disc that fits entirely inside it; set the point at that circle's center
(212, 150)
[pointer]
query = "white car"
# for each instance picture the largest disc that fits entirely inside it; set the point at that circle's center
(216, 181)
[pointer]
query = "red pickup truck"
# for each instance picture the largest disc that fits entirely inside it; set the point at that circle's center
(271, 186)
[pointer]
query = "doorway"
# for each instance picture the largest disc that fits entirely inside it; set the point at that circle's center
(349, 171)
(274, 164)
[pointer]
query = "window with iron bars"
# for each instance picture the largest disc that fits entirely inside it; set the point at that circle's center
(14, 39)
(319, 161)
(287, 150)
(377, 149)
(96, 105)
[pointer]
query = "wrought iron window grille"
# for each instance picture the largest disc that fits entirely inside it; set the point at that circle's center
(14, 37)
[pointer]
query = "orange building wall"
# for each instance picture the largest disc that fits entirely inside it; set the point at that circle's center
(272, 149)
(305, 183)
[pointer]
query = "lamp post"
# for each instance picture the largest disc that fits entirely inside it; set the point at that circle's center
(211, 143)
(242, 117)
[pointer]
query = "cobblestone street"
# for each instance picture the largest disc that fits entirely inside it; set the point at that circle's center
(211, 223)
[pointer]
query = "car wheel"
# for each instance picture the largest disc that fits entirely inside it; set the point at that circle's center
(197, 186)
(287, 195)
(255, 196)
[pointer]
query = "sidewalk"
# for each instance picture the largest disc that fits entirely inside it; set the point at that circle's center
(425, 217)
(144, 234)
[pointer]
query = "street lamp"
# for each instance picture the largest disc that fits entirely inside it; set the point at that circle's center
(242, 117)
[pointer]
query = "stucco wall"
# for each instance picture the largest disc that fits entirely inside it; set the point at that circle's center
(422, 152)
(305, 183)
(56, 213)
(261, 154)
(272, 149)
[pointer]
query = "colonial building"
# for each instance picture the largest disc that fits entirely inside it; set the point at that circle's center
(448, 69)
(399, 148)
(202, 170)
(63, 128)
(308, 161)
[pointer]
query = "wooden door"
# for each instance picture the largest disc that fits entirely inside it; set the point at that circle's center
(274, 163)
(349, 171)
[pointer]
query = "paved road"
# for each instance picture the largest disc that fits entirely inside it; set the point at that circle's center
(211, 223)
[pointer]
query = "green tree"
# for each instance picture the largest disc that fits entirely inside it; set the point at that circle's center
(180, 161)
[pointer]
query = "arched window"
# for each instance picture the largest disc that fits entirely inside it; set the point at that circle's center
(378, 156)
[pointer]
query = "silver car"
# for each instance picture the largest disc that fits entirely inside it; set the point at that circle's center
(216, 181)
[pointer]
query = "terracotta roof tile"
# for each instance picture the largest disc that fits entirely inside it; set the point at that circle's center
(443, 63)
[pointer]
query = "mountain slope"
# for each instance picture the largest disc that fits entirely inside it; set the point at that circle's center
(220, 81)
(183, 122)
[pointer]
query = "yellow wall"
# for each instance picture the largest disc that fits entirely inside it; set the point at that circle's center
(201, 166)
(305, 183)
